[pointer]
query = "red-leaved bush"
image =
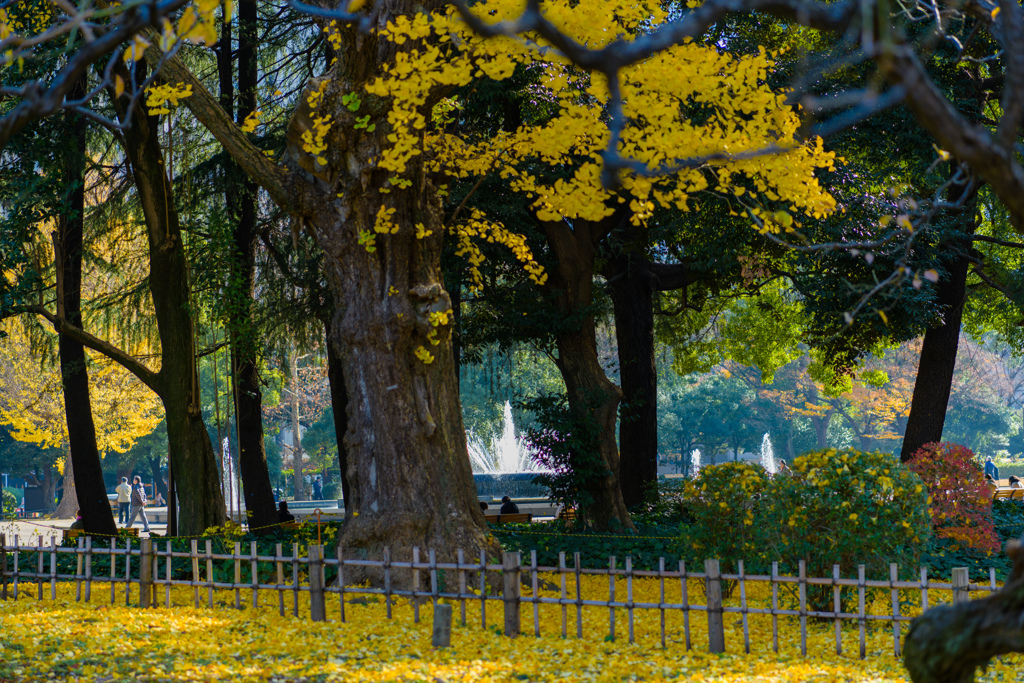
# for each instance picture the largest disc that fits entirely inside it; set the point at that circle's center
(960, 502)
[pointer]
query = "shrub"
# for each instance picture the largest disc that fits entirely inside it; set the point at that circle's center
(9, 507)
(960, 500)
(724, 502)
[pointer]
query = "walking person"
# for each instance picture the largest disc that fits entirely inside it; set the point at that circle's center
(318, 488)
(124, 499)
(991, 469)
(138, 504)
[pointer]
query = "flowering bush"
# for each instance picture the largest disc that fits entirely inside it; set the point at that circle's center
(960, 500)
(723, 501)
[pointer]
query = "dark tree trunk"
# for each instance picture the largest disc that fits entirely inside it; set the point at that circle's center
(88, 472)
(947, 644)
(158, 480)
(69, 497)
(200, 500)
(938, 352)
(632, 297)
(339, 404)
(592, 396)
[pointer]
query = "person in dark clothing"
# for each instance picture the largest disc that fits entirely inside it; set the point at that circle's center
(483, 505)
(990, 468)
(318, 489)
(282, 513)
(508, 507)
(77, 524)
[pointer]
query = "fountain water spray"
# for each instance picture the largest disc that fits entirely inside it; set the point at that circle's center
(694, 462)
(768, 455)
(505, 454)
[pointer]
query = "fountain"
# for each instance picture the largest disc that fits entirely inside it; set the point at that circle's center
(768, 455)
(229, 481)
(503, 467)
(694, 463)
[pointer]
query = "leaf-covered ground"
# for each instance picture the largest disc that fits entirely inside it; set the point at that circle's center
(66, 640)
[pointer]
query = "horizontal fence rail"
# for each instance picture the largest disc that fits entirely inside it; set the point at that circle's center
(148, 565)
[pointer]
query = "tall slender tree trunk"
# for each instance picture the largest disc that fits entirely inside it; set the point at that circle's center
(297, 453)
(241, 196)
(68, 245)
(938, 352)
(632, 298)
(200, 500)
(592, 396)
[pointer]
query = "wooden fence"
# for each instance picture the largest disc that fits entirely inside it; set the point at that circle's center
(150, 568)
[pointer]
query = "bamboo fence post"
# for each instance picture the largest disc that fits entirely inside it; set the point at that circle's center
(483, 589)
(39, 565)
(432, 555)
(387, 579)
(146, 573)
(415, 585)
(194, 557)
(803, 607)
(295, 579)
(611, 597)
(15, 574)
(3, 566)
(894, 576)
(254, 568)
(535, 593)
(79, 558)
(861, 614)
(113, 570)
(237, 558)
(442, 631)
(685, 597)
(127, 572)
(961, 584)
(924, 589)
(462, 586)
(629, 596)
(561, 578)
(88, 568)
(713, 590)
(167, 586)
(992, 579)
(775, 607)
(837, 606)
(743, 607)
(279, 556)
(209, 572)
(579, 594)
(511, 563)
(341, 582)
(317, 607)
(53, 567)
(661, 598)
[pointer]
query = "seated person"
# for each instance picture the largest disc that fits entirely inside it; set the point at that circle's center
(282, 513)
(990, 481)
(77, 524)
(508, 507)
(483, 505)
(1015, 483)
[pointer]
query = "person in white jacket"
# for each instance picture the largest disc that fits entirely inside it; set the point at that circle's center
(124, 497)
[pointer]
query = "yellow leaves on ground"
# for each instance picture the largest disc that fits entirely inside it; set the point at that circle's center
(92, 642)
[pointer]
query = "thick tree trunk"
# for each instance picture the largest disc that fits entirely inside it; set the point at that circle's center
(339, 403)
(938, 352)
(947, 644)
(632, 297)
(69, 504)
(200, 500)
(592, 396)
(88, 472)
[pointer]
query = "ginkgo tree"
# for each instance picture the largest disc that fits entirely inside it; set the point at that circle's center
(32, 402)
(366, 170)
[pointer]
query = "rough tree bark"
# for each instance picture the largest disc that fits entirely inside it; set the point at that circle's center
(69, 504)
(339, 403)
(87, 480)
(938, 352)
(948, 643)
(409, 476)
(592, 396)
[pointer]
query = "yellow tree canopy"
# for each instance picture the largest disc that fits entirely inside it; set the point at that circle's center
(32, 400)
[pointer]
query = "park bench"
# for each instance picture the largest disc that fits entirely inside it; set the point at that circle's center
(1008, 494)
(291, 526)
(513, 518)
